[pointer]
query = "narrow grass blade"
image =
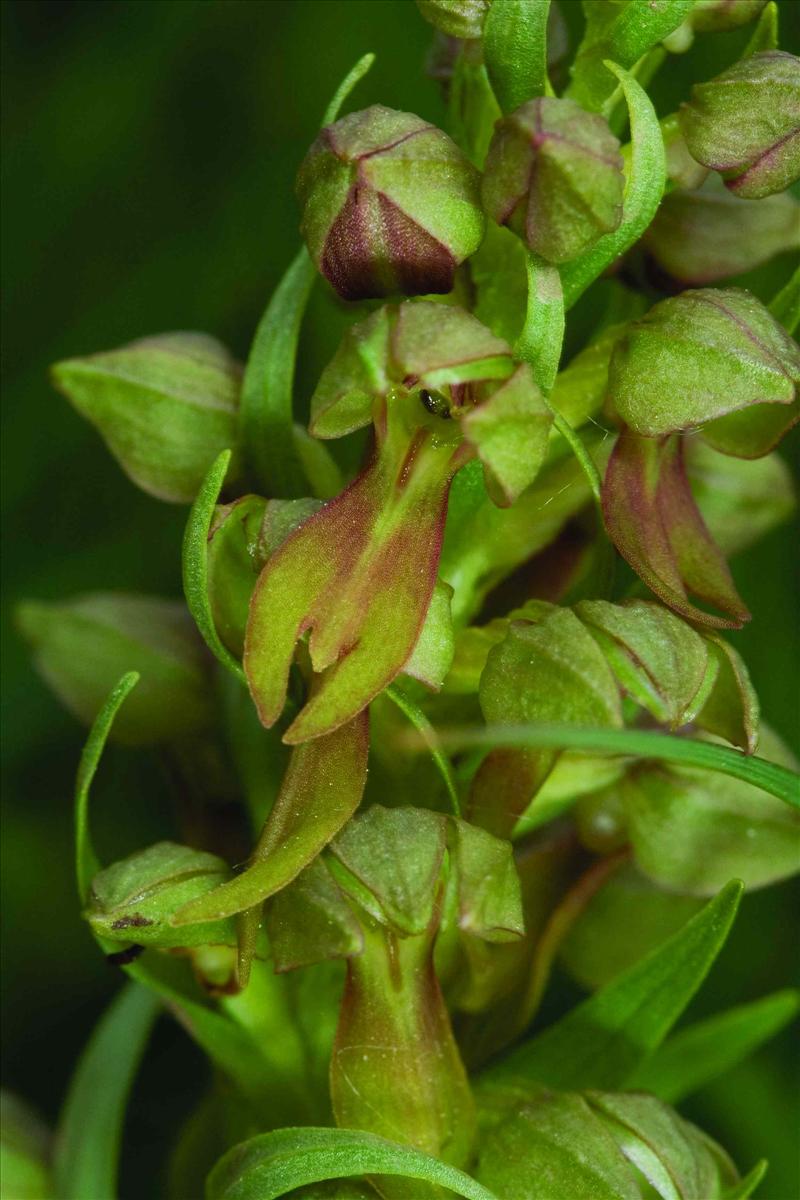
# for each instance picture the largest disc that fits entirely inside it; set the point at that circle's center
(195, 563)
(86, 862)
(90, 1126)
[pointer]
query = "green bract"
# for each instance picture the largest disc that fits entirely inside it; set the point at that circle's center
(554, 175)
(166, 406)
(746, 124)
(390, 204)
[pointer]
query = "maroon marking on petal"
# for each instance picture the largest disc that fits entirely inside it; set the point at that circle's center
(348, 260)
(420, 262)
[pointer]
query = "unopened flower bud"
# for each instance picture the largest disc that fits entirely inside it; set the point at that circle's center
(554, 176)
(761, 154)
(390, 205)
(165, 406)
(82, 647)
(457, 18)
(718, 16)
(599, 1144)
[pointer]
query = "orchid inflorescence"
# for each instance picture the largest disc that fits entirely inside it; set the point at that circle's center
(427, 681)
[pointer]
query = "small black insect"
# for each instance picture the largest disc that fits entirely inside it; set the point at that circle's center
(123, 957)
(435, 403)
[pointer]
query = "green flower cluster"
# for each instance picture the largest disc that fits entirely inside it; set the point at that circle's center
(389, 932)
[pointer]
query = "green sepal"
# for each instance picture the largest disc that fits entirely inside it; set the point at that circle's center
(456, 18)
(739, 499)
(709, 235)
(311, 921)
(761, 155)
(234, 561)
(551, 672)
(609, 1146)
(509, 432)
(732, 710)
(645, 178)
(433, 345)
(432, 656)
(166, 406)
(82, 647)
(134, 899)
(488, 898)
(390, 860)
(658, 659)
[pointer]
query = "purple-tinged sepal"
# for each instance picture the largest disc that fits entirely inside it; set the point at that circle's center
(746, 124)
(554, 175)
(390, 205)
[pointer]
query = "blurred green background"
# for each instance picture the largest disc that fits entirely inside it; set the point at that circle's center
(150, 154)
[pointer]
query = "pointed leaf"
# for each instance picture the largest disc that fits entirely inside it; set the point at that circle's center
(89, 1131)
(602, 1041)
(696, 1055)
(273, 1164)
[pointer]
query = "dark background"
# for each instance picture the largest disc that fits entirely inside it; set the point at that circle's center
(150, 153)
